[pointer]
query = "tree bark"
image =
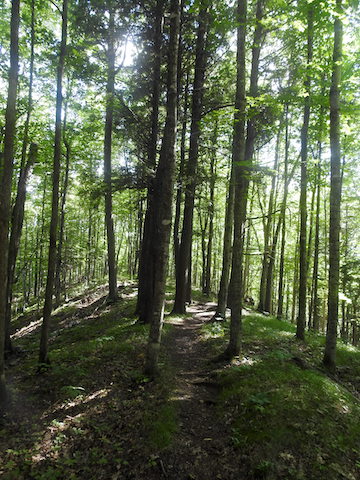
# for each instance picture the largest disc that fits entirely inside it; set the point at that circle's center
(266, 274)
(183, 279)
(207, 283)
(15, 236)
(109, 221)
(179, 190)
(163, 193)
(227, 251)
(329, 359)
(145, 275)
(283, 220)
(301, 320)
(6, 180)
(18, 209)
(44, 347)
(315, 295)
(241, 180)
(59, 259)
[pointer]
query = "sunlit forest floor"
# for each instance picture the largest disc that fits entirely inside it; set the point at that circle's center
(271, 414)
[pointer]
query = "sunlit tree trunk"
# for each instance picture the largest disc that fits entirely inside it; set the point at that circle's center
(241, 181)
(280, 305)
(179, 190)
(227, 251)
(207, 283)
(163, 193)
(335, 196)
(183, 278)
(301, 320)
(44, 353)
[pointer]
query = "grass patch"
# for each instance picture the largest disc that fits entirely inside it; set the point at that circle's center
(288, 422)
(87, 413)
(162, 425)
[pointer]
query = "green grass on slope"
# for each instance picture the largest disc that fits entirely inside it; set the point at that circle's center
(93, 412)
(288, 419)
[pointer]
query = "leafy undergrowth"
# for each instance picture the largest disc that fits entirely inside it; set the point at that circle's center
(92, 414)
(289, 420)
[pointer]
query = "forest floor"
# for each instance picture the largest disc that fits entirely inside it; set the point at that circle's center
(272, 413)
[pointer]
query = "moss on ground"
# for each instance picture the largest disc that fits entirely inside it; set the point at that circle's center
(93, 408)
(289, 419)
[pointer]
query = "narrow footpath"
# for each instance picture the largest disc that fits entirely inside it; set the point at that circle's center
(201, 447)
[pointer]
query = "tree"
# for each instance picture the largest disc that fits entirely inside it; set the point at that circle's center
(183, 277)
(44, 347)
(163, 193)
(6, 179)
(335, 195)
(303, 267)
(241, 183)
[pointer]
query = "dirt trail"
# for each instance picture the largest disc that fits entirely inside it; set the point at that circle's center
(201, 447)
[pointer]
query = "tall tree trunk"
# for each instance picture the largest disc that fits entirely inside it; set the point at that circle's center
(251, 124)
(247, 251)
(269, 250)
(345, 273)
(268, 229)
(183, 278)
(315, 296)
(335, 196)
(6, 180)
(59, 259)
(109, 221)
(145, 275)
(179, 190)
(15, 235)
(163, 193)
(301, 320)
(43, 353)
(18, 210)
(207, 283)
(241, 177)
(227, 251)
(280, 304)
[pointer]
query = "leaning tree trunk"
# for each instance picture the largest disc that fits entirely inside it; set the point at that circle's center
(301, 320)
(6, 179)
(44, 347)
(335, 196)
(241, 180)
(163, 193)
(183, 279)
(18, 210)
(15, 235)
(145, 275)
